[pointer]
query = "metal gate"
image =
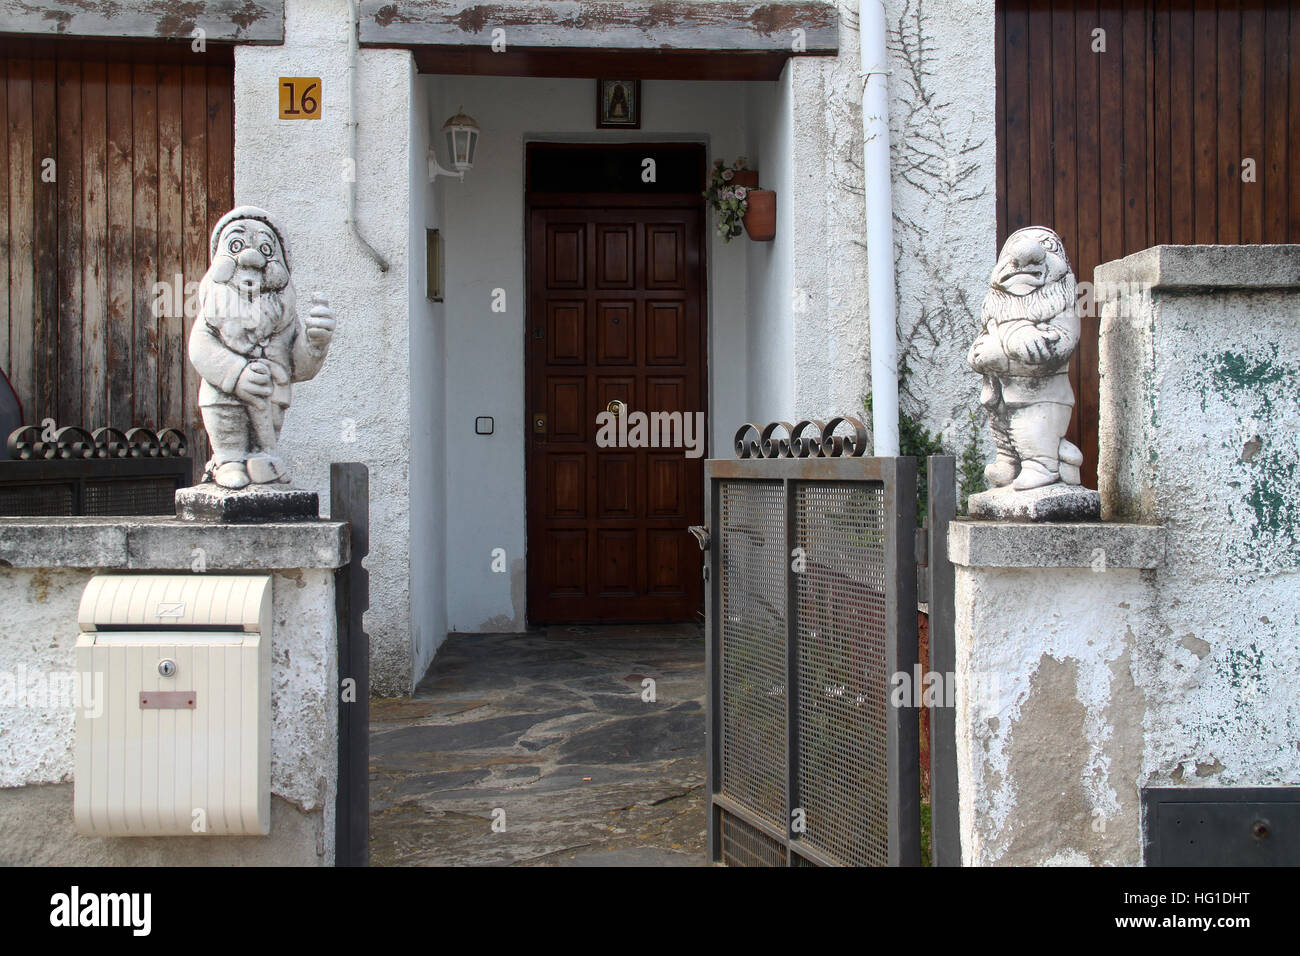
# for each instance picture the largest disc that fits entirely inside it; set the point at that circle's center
(811, 610)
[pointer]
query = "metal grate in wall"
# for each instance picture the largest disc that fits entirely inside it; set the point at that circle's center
(745, 845)
(135, 497)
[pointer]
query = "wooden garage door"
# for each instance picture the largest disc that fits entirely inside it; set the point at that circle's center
(1144, 142)
(119, 160)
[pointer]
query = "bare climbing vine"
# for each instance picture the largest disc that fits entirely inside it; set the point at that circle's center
(936, 167)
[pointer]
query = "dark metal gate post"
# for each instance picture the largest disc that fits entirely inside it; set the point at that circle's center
(350, 502)
(903, 726)
(712, 670)
(945, 839)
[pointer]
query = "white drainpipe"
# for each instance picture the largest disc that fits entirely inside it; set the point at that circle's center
(880, 228)
(353, 27)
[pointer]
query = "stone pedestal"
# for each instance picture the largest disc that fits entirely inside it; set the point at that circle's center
(252, 505)
(1053, 503)
(1058, 645)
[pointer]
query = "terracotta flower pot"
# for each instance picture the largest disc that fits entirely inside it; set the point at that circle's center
(745, 177)
(760, 217)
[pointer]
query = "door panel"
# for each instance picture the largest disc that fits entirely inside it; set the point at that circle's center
(615, 313)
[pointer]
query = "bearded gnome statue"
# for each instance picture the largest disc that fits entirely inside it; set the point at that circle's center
(1029, 330)
(250, 345)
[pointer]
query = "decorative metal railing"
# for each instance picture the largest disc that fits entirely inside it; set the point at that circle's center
(74, 472)
(73, 442)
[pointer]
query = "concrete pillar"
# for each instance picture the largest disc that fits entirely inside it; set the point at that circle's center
(1200, 431)
(1050, 619)
(358, 408)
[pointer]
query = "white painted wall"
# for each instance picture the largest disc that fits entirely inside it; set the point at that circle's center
(483, 221)
(1049, 718)
(1200, 431)
(943, 149)
(769, 133)
(38, 635)
(295, 169)
(943, 143)
(428, 573)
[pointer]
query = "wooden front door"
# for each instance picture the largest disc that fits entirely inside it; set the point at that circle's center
(615, 314)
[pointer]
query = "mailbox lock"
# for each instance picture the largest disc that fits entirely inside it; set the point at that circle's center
(167, 667)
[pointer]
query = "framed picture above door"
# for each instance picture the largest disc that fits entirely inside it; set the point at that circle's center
(618, 104)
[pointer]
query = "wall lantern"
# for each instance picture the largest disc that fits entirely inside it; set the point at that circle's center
(461, 136)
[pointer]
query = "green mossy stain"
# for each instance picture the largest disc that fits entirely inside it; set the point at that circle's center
(1236, 376)
(1273, 495)
(1244, 664)
(1261, 386)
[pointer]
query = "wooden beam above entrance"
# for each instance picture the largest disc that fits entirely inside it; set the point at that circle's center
(665, 26)
(222, 21)
(630, 65)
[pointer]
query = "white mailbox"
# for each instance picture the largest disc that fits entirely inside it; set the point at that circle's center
(175, 738)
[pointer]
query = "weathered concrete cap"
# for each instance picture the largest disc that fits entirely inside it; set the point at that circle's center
(155, 544)
(1053, 503)
(254, 504)
(1200, 268)
(1022, 544)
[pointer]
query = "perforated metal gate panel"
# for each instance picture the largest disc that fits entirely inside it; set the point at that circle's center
(842, 764)
(752, 585)
(811, 611)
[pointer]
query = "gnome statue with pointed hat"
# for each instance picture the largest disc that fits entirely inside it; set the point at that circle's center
(249, 345)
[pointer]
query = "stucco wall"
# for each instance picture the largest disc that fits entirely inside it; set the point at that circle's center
(943, 142)
(943, 159)
(1200, 431)
(358, 407)
(38, 633)
(1053, 668)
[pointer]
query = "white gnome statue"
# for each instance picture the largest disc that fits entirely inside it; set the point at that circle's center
(1029, 330)
(249, 346)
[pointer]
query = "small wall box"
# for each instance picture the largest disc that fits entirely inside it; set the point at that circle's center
(173, 723)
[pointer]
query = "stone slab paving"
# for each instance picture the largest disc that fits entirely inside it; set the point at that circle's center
(549, 727)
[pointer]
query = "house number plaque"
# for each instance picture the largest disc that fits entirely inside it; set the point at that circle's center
(300, 97)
